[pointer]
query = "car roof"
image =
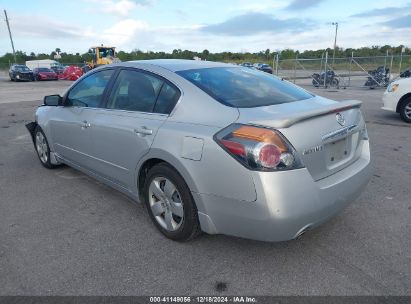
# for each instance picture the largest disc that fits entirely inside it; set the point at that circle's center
(175, 65)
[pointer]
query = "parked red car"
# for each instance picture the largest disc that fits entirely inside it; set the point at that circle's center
(44, 74)
(71, 72)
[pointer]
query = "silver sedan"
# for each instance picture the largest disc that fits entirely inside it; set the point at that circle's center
(209, 146)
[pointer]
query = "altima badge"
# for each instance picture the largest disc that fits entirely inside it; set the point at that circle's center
(340, 119)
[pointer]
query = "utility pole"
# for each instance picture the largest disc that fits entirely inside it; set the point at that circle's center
(11, 38)
(335, 39)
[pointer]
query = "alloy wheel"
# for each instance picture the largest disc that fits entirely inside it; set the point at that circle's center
(166, 204)
(407, 110)
(41, 147)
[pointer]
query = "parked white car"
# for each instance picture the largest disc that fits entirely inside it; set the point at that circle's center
(397, 98)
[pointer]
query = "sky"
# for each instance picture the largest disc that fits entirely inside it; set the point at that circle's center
(41, 26)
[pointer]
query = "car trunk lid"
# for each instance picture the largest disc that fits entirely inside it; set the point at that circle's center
(326, 134)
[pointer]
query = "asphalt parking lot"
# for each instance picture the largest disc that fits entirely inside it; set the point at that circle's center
(63, 233)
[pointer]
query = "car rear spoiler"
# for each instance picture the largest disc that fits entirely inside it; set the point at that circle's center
(288, 120)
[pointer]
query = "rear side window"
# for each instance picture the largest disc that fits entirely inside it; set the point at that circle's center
(244, 87)
(167, 99)
(134, 91)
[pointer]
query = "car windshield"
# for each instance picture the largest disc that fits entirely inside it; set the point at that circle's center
(243, 87)
(22, 68)
(44, 70)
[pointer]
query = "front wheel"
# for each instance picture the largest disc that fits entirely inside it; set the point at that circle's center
(42, 148)
(405, 110)
(170, 204)
(315, 83)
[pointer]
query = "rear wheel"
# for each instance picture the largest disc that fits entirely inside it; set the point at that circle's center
(405, 110)
(170, 204)
(42, 148)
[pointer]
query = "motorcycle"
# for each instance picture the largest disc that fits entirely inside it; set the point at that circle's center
(330, 79)
(378, 78)
(406, 73)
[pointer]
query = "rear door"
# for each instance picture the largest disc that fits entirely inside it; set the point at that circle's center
(122, 132)
(71, 124)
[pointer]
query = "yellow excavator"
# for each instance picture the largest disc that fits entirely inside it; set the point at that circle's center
(101, 55)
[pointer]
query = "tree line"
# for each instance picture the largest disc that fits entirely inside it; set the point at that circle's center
(262, 56)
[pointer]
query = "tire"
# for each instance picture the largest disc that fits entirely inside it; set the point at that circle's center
(42, 148)
(170, 204)
(335, 83)
(405, 110)
(316, 80)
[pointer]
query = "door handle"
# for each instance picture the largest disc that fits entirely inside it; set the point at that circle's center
(143, 131)
(85, 124)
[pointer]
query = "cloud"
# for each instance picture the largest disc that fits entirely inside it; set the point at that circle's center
(382, 12)
(401, 22)
(121, 8)
(123, 31)
(257, 6)
(298, 5)
(44, 27)
(253, 23)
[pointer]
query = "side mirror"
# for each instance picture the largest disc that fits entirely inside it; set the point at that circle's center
(52, 100)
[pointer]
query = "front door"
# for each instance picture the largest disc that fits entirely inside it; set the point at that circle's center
(71, 124)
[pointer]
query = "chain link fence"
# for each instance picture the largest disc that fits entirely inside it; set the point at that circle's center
(326, 72)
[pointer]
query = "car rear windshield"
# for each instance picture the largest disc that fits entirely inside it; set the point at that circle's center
(243, 87)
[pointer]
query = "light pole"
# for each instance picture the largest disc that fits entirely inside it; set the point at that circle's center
(11, 38)
(335, 39)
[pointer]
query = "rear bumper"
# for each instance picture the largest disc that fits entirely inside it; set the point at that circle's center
(287, 202)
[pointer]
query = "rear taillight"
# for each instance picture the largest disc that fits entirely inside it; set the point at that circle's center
(258, 148)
